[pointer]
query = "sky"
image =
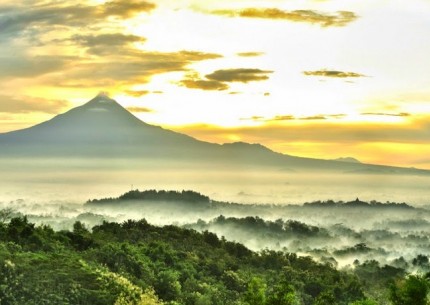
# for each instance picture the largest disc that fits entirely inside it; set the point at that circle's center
(313, 78)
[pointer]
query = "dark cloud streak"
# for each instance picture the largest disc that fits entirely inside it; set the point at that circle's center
(401, 114)
(126, 9)
(218, 79)
(239, 75)
(137, 93)
(333, 73)
(313, 118)
(139, 109)
(250, 54)
(339, 19)
(289, 117)
(203, 84)
(107, 44)
(106, 40)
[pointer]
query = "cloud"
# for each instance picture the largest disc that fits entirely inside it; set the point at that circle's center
(203, 84)
(289, 117)
(401, 114)
(180, 57)
(10, 104)
(106, 44)
(42, 16)
(139, 109)
(218, 79)
(250, 54)
(282, 118)
(239, 75)
(312, 118)
(137, 93)
(25, 66)
(338, 19)
(278, 118)
(336, 116)
(332, 73)
(126, 9)
(123, 71)
(128, 67)
(253, 118)
(104, 56)
(106, 40)
(197, 56)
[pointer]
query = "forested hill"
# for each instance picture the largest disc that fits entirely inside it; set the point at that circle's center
(123, 263)
(154, 195)
(135, 263)
(357, 203)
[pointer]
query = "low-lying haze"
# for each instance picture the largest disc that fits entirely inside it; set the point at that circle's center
(77, 180)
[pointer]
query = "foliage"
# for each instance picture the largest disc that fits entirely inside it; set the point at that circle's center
(256, 292)
(364, 302)
(135, 263)
(412, 290)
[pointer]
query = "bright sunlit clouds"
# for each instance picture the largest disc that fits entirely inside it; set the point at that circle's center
(321, 79)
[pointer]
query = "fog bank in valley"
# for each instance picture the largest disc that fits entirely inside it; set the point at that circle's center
(344, 234)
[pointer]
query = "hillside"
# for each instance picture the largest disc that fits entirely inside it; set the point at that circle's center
(137, 263)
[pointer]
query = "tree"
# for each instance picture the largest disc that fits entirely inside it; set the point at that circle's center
(256, 292)
(10, 284)
(167, 285)
(282, 294)
(325, 298)
(421, 261)
(410, 291)
(5, 215)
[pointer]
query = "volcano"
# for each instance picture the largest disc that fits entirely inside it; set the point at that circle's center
(102, 128)
(99, 128)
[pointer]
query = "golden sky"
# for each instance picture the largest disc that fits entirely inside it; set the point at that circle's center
(315, 78)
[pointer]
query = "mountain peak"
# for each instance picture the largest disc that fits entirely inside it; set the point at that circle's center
(347, 159)
(102, 99)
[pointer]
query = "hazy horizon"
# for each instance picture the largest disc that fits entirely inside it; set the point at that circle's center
(79, 180)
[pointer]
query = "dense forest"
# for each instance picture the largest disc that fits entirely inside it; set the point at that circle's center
(134, 262)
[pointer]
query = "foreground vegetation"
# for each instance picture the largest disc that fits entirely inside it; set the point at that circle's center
(137, 263)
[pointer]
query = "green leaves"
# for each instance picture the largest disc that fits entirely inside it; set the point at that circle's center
(256, 292)
(412, 290)
(135, 263)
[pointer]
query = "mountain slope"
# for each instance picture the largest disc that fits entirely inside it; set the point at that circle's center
(102, 128)
(101, 120)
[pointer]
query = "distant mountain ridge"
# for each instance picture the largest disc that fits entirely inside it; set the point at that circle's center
(102, 128)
